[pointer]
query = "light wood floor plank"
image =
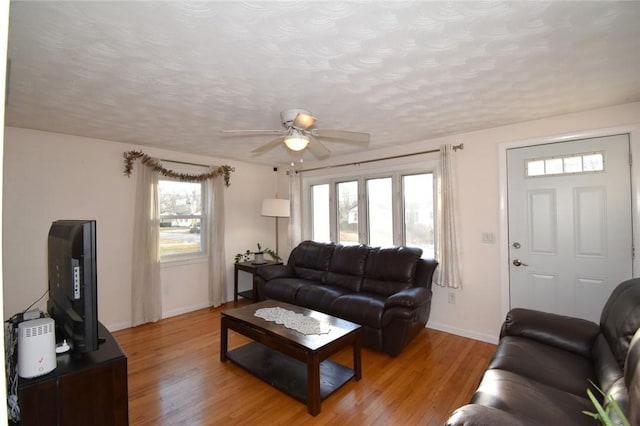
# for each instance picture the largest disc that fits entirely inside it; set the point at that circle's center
(176, 378)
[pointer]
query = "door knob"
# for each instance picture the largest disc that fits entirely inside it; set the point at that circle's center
(518, 263)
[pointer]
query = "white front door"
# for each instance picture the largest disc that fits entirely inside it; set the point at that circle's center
(570, 235)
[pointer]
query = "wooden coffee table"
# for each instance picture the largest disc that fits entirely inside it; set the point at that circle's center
(293, 362)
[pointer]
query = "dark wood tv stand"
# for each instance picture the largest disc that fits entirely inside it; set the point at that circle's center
(87, 390)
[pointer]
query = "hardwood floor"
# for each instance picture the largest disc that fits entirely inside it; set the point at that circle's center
(176, 378)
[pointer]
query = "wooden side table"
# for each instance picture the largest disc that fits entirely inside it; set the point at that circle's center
(249, 267)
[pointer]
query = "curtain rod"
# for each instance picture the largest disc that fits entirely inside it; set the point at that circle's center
(357, 163)
(184, 162)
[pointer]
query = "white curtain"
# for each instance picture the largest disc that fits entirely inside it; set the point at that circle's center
(215, 237)
(295, 222)
(146, 302)
(448, 272)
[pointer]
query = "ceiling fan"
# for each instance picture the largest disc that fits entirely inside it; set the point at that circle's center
(300, 131)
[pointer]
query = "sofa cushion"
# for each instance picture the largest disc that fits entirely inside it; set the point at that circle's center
(346, 268)
(532, 402)
(482, 415)
(361, 308)
(568, 333)
(609, 375)
(284, 289)
(311, 260)
(318, 297)
(632, 378)
(620, 318)
(272, 272)
(389, 270)
(543, 363)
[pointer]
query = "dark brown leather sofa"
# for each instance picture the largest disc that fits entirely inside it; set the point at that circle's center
(541, 369)
(386, 290)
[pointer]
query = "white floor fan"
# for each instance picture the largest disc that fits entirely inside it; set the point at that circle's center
(300, 132)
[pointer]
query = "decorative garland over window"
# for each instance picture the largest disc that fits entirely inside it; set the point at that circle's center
(131, 156)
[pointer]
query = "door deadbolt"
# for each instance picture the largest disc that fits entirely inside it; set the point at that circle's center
(516, 245)
(517, 262)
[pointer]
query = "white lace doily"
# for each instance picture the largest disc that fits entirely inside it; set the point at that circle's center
(293, 320)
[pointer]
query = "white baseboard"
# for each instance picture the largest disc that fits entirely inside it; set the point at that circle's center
(462, 332)
(168, 314)
(116, 327)
(184, 310)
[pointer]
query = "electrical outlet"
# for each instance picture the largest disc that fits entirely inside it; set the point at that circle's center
(488, 238)
(452, 298)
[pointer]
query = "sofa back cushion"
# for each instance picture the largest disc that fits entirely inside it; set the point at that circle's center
(609, 375)
(346, 268)
(310, 260)
(621, 318)
(632, 378)
(390, 270)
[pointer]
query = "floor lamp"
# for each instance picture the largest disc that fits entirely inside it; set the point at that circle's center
(276, 207)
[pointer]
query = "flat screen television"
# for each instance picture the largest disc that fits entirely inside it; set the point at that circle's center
(73, 283)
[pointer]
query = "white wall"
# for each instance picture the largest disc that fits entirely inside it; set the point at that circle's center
(49, 176)
(479, 311)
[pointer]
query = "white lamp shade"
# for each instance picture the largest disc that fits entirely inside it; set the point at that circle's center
(275, 207)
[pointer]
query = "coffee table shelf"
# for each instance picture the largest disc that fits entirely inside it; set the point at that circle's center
(287, 374)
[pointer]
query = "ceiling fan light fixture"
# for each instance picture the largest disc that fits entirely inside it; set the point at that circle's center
(296, 142)
(304, 121)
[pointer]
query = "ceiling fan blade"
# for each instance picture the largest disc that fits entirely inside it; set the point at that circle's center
(252, 132)
(317, 149)
(342, 136)
(303, 121)
(269, 145)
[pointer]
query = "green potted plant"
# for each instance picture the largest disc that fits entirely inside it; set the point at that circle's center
(258, 256)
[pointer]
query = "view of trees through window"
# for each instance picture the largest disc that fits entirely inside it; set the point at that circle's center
(320, 213)
(380, 211)
(348, 212)
(417, 193)
(180, 217)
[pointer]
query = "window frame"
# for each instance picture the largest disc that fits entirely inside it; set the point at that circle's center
(193, 255)
(396, 173)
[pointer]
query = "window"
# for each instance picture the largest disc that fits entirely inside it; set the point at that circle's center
(347, 212)
(389, 210)
(320, 213)
(574, 163)
(418, 212)
(380, 211)
(181, 219)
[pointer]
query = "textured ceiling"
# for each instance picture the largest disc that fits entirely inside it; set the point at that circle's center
(174, 74)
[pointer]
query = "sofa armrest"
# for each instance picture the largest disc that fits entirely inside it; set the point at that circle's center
(409, 298)
(568, 333)
(476, 415)
(271, 272)
(424, 272)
